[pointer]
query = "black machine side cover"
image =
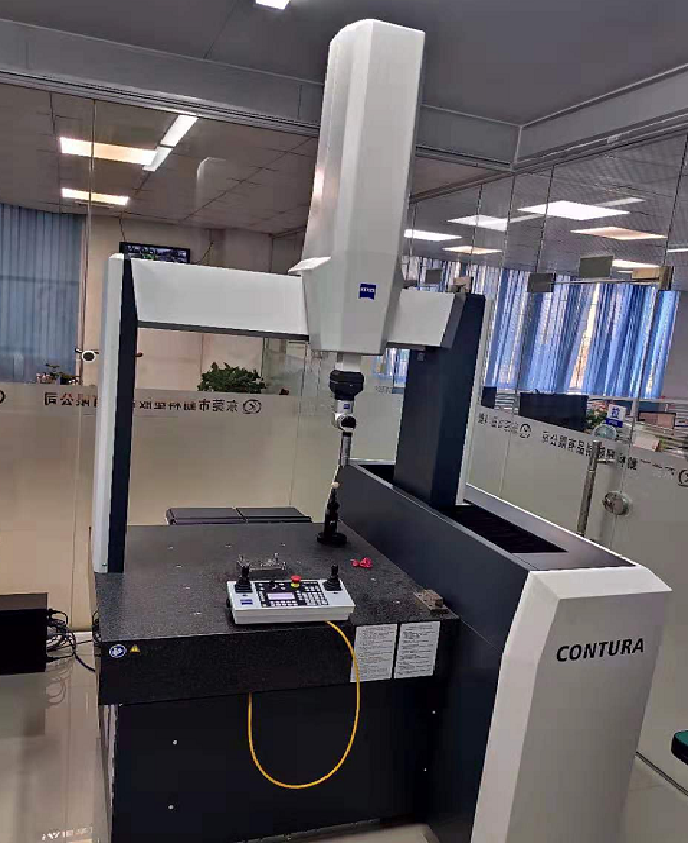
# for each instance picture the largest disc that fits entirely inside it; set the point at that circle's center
(437, 400)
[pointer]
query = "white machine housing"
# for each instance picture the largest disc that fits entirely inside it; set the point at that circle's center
(350, 267)
(540, 770)
(232, 301)
(573, 687)
(358, 211)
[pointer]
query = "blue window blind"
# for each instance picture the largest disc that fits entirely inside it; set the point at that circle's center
(537, 339)
(507, 327)
(40, 265)
(554, 325)
(617, 348)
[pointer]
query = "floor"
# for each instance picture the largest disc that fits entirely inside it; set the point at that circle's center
(51, 788)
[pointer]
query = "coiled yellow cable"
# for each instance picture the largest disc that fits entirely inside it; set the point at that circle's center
(351, 738)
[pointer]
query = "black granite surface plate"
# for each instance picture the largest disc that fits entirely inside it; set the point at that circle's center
(171, 602)
(174, 583)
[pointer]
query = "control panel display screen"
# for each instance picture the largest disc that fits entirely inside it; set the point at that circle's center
(278, 595)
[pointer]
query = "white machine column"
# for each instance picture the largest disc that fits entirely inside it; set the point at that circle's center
(573, 687)
(350, 266)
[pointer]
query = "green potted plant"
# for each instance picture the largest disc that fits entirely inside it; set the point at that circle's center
(594, 417)
(231, 379)
(59, 376)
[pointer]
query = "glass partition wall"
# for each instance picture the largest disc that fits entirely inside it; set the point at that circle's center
(218, 420)
(45, 412)
(80, 179)
(562, 362)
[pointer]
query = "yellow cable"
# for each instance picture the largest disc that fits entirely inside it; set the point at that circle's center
(351, 738)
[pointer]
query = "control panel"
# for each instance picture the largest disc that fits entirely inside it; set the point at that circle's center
(288, 601)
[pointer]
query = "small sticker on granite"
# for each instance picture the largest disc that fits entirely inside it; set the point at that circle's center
(417, 649)
(374, 648)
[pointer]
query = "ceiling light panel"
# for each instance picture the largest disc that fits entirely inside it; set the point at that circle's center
(629, 265)
(619, 233)
(159, 156)
(84, 196)
(677, 249)
(106, 151)
(433, 236)
(178, 129)
(525, 217)
(573, 210)
(471, 250)
(629, 200)
(483, 221)
(274, 4)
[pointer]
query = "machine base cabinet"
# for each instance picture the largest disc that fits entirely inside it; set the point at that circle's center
(182, 770)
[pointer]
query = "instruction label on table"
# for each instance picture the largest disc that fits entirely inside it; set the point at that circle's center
(374, 648)
(417, 649)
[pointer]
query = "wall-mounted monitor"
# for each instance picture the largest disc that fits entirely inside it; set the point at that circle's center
(168, 254)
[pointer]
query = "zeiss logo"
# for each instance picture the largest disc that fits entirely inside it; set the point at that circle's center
(600, 649)
(367, 291)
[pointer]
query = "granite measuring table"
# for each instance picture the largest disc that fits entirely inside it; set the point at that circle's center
(175, 671)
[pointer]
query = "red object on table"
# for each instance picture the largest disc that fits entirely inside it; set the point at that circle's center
(366, 562)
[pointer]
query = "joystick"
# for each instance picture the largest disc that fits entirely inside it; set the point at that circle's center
(243, 585)
(330, 535)
(333, 583)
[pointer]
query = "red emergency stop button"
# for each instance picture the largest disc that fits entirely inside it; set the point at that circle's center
(295, 581)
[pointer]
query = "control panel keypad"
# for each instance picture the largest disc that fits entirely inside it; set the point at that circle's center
(281, 594)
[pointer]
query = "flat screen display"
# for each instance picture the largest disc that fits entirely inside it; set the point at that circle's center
(168, 254)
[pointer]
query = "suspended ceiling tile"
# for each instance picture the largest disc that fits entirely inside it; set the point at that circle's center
(185, 27)
(221, 221)
(24, 141)
(116, 119)
(299, 184)
(72, 108)
(528, 74)
(73, 127)
(222, 170)
(17, 100)
(235, 134)
(271, 227)
(259, 197)
(429, 174)
(118, 178)
(132, 215)
(308, 147)
(434, 214)
(294, 217)
(240, 207)
(179, 204)
(297, 165)
(217, 147)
